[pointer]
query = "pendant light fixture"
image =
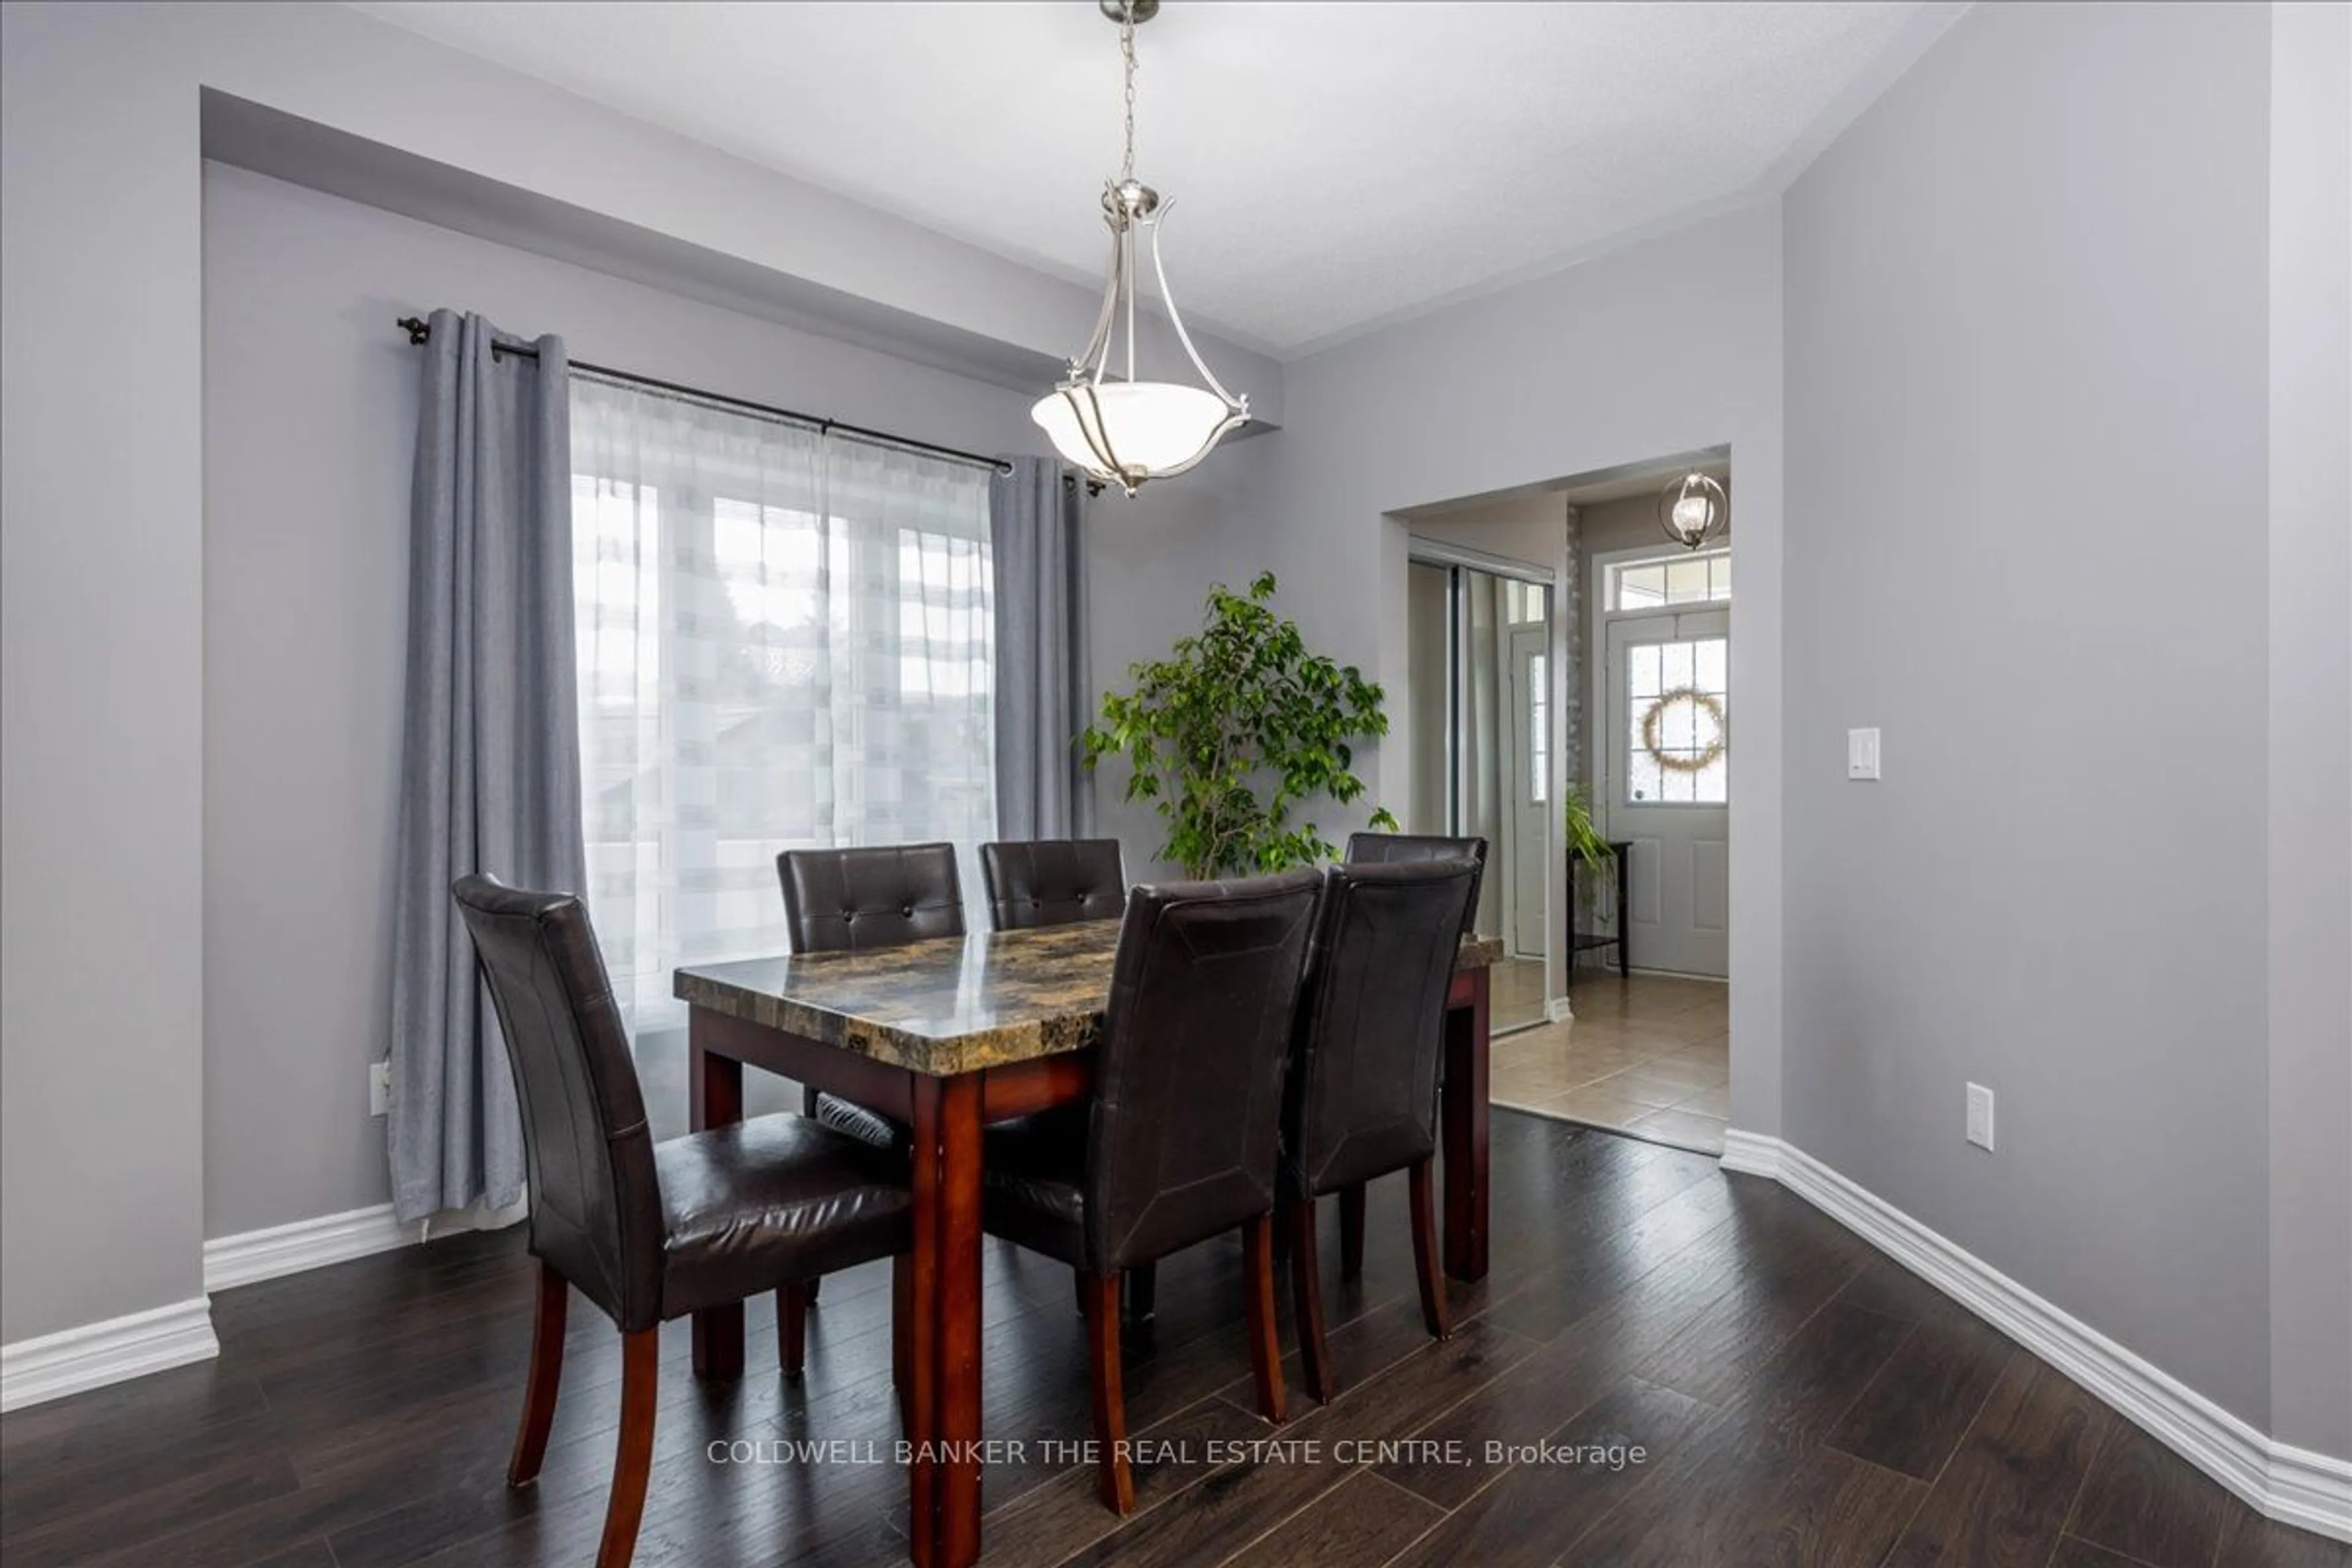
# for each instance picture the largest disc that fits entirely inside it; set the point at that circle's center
(1117, 428)
(1693, 510)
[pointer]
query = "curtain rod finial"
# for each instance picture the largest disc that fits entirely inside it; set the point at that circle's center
(417, 328)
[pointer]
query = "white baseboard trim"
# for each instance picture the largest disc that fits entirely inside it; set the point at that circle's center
(1752, 1155)
(77, 1360)
(96, 1354)
(1558, 1011)
(2293, 1486)
(2310, 1490)
(253, 1256)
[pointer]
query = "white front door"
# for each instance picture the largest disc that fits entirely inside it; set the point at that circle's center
(1668, 759)
(1526, 726)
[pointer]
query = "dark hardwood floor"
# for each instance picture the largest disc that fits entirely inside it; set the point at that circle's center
(1797, 1400)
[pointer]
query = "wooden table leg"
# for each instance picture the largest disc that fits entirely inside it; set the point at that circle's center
(715, 1095)
(1464, 1113)
(922, 1395)
(943, 1348)
(960, 1321)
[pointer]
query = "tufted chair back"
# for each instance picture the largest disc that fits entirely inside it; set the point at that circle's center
(853, 901)
(1053, 882)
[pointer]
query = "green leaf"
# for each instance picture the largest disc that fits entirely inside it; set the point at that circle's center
(1239, 722)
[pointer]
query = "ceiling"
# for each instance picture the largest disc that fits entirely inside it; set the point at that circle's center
(1330, 167)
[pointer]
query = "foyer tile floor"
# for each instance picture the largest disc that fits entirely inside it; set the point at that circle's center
(1516, 997)
(1648, 1055)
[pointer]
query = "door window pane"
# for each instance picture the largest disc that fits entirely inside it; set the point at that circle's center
(1642, 783)
(1678, 715)
(1710, 673)
(1675, 664)
(1642, 672)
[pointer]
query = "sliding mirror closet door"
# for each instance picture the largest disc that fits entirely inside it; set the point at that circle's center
(1482, 719)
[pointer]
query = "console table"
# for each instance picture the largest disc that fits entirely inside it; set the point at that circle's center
(1620, 851)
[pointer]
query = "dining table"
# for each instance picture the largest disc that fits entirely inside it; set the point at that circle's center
(947, 1035)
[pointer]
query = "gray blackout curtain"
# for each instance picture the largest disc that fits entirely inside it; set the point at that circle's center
(1042, 688)
(490, 769)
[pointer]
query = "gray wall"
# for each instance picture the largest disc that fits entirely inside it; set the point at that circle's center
(1626, 524)
(2310, 850)
(101, 746)
(2025, 455)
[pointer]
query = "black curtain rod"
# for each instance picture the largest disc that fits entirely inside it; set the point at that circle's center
(420, 332)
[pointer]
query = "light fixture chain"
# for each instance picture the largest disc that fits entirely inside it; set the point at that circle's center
(1124, 430)
(1126, 54)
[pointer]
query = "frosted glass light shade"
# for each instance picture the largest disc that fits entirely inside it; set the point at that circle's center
(1693, 510)
(1129, 431)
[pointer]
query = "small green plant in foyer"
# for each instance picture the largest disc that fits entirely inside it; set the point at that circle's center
(1585, 843)
(1236, 730)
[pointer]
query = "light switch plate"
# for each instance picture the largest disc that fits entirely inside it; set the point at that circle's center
(1862, 753)
(1980, 1117)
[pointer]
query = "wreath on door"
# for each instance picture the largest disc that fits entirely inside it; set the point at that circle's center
(1707, 718)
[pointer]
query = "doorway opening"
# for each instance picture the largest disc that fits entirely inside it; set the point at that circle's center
(1621, 698)
(1660, 781)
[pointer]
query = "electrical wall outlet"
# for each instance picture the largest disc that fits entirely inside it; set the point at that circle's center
(378, 1088)
(1862, 753)
(1981, 1116)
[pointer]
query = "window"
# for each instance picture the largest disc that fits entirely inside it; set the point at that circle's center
(1683, 580)
(784, 641)
(1524, 604)
(1678, 722)
(1538, 731)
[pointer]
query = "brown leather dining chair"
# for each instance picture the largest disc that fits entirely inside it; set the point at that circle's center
(1053, 882)
(1401, 849)
(1180, 1141)
(648, 1231)
(857, 900)
(1391, 850)
(1036, 883)
(1362, 1100)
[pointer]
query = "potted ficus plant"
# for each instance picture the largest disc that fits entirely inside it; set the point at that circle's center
(1233, 731)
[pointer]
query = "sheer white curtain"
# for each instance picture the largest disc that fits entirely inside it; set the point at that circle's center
(783, 642)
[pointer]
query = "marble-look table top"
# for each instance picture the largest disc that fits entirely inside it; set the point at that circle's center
(951, 1006)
